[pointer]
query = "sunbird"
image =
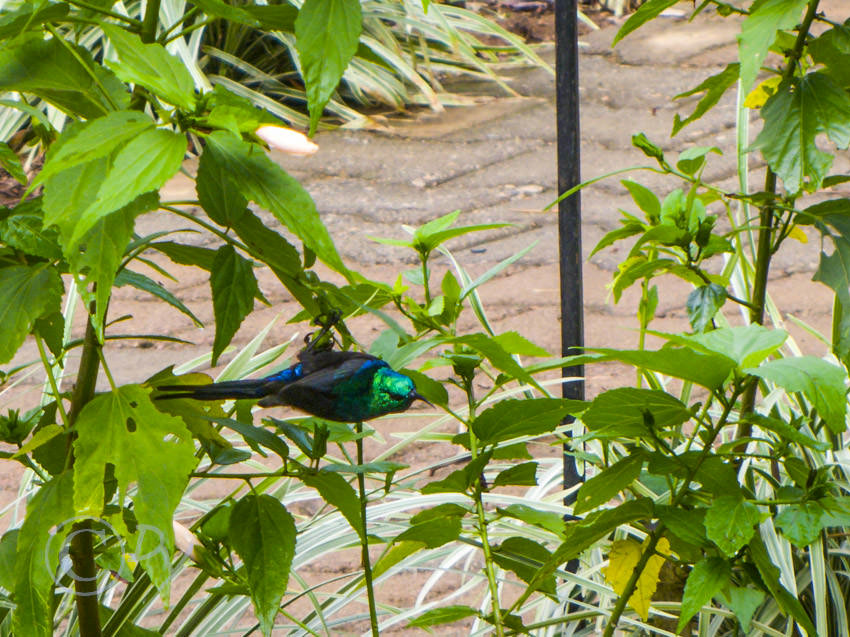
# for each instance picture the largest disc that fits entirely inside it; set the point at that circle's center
(335, 385)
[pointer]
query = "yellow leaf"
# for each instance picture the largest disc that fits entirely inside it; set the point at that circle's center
(798, 234)
(759, 95)
(622, 560)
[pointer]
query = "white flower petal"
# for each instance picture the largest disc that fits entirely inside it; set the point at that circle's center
(286, 140)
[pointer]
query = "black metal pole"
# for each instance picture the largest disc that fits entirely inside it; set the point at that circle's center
(569, 210)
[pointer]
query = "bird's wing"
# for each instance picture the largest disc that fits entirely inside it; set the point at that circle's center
(314, 361)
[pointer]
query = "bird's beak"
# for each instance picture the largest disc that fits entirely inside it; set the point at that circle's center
(417, 396)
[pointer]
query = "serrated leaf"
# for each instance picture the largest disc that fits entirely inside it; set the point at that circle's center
(327, 33)
(500, 359)
(707, 370)
(220, 198)
(608, 483)
(513, 418)
(703, 303)
(515, 343)
(626, 411)
(93, 139)
(30, 16)
(524, 557)
(744, 602)
(151, 66)
(336, 491)
(8, 547)
(441, 511)
(761, 93)
(821, 382)
(12, 163)
(233, 289)
(832, 49)
(548, 520)
(443, 615)
(100, 187)
(23, 229)
(37, 555)
(623, 559)
(801, 523)
(706, 579)
(73, 83)
(145, 446)
(714, 88)
(26, 293)
(758, 32)
(524, 474)
(686, 524)
(267, 245)
(730, 522)
(267, 17)
(184, 254)
(747, 345)
(262, 181)
(262, 532)
(432, 533)
(793, 117)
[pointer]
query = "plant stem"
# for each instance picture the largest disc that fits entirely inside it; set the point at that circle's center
(364, 538)
(82, 549)
(489, 567)
(150, 21)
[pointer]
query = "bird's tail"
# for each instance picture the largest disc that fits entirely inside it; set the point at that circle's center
(251, 388)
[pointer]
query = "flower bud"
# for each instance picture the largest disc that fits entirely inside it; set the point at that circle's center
(286, 140)
(185, 541)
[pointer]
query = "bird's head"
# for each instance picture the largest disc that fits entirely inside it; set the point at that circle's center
(396, 390)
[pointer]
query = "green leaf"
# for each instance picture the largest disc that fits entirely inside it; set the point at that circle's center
(759, 31)
(432, 533)
(426, 242)
(524, 557)
(785, 431)
(93, 139)
(549, 520)
(730, 522)
(267, 245)
(801, 523)
(184, 254)
(714, 88)
(30, 16)
(514, 343)
(834, 271)
(489, 274)
(628, 230)
(146, 284)
(706, 579)
(608, 483)
(26, 293)
(645, 199)
(220, 197)
(703, 303)
(455, 482)
(492, 350)
(645, 12)
(327, 34)
(793, 117)
(513, 418)
(747, 345)
(145, 446)
(256, 436)
(262, 532)
(717, 476)
(233, 289)
(151, 66)
(443, 615)
(693, 158)
(707, 370)
(75, 84)
(770, 576)
(23, 230)
(99, 255)
(262, 181)
(37, 555)
(628, 411)
(743, 602)
(267, 17)
(441, 511)
(686, 524)
(336, 491)
(642, 143)
(8, 547)
(832, 49)
(524, 474)
(10, 161)
(821, 382)
(75, 199)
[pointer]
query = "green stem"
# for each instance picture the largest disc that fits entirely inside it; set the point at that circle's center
(112, 14)
(51, 378)
(489, 568)
(364, 538)
(150, 21)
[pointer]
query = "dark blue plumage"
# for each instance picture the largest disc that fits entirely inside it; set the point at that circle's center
(341, 386)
